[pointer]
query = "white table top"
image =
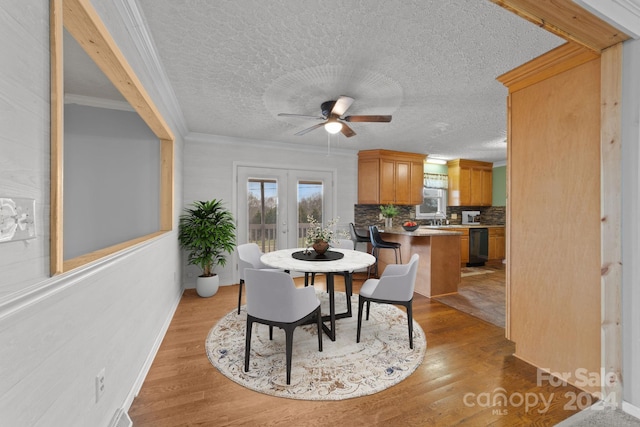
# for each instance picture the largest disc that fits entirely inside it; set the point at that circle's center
(352, 260)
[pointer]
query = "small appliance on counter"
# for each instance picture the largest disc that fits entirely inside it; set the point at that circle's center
(470, 217)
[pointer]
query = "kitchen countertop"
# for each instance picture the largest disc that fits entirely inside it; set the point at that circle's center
(436, 230)
(422, 231)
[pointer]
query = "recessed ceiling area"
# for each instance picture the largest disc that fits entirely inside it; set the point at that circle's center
(234, 66)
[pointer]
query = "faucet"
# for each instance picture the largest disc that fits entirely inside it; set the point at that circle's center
(439, 221)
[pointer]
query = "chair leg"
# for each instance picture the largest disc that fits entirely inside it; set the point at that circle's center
(410, 321)
(289, 350)
(240, 295)
(319, 321)
(360, 307)
(247, 345)
(368, 306)
(270, 332)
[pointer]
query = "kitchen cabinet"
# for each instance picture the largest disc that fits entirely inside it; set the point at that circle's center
(496, 243)
(386, 176)
(470, 183)
(464, 243)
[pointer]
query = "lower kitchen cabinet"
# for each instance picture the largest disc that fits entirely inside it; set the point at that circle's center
(464, 244)
(496, 243)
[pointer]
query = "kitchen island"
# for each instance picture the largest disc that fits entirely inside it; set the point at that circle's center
(439, 250)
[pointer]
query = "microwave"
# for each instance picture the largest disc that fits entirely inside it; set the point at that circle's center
(434, 204)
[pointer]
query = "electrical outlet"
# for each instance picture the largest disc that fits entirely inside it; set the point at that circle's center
(99, 385)
(454, 216)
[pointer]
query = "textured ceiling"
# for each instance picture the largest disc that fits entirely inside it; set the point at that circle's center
(234, 65)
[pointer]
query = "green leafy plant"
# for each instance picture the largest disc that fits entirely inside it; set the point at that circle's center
(207, 232)
(389, 211)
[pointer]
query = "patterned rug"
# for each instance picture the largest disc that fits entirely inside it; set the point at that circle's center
(343, 370)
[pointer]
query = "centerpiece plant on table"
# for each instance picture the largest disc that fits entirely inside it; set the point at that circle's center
(319, 237)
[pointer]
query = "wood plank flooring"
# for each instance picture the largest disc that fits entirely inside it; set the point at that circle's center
(482, 296)
(468, 363)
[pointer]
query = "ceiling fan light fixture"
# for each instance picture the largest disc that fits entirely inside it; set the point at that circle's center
(333, 126)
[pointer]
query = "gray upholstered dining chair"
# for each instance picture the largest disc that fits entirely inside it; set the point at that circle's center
(248, 257)
(274, 300)
(395, 286)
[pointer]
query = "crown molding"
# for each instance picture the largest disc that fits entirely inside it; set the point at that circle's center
(140, 35)
(260, 144)
(623, 14)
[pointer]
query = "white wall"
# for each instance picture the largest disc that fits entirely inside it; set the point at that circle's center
(209, 173)
(630, 225)
(57, 333)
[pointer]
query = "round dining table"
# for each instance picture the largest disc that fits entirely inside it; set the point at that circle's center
(335, 261)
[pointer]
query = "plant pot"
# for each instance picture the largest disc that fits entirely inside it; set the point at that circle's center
(320, 246)
(207, 286)
(388, 222)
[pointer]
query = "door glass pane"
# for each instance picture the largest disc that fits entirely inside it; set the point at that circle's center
(262, 205)
(310, 203)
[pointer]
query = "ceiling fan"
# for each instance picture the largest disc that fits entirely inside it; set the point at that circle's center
(334, 122)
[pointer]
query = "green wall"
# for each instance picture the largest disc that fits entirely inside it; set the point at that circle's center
(499, 186)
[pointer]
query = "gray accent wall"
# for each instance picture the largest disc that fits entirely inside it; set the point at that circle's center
(111, 178)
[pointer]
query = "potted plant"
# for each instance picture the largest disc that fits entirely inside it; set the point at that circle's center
(319, 237)
(388, 212)
(207, 233)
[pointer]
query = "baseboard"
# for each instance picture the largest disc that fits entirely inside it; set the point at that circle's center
(137, 385)
(631, 409)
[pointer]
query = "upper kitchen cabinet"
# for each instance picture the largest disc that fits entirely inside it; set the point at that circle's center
(386, 176)
(470, 183)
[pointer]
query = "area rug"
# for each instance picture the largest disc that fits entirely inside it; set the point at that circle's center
(474, 271)
(343, 370)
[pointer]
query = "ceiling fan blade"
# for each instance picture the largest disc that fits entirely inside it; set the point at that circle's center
(307, 130)
(300, 116)
(342, 105)
(347, 131)
(384, 119)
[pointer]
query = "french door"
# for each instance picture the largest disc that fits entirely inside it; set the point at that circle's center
(273, 204)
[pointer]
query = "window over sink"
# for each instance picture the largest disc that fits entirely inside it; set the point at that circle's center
(434, 204)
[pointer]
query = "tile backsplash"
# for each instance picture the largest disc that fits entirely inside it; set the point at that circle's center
(365, 215)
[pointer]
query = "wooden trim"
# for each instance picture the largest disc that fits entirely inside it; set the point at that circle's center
(568, 20)
(611, 221)
(166, 184)
(101, 253)
(395, 155)
(507, 240)
(57, 135)
(554, 62)
(84, 24)
(470, 164)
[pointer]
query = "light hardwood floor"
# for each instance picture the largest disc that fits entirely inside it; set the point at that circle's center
(467, 361)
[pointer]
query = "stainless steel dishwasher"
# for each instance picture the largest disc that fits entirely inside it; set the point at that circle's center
(478, 246)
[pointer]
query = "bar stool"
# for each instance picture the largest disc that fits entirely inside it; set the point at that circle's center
(377, 243)
(356, 237)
